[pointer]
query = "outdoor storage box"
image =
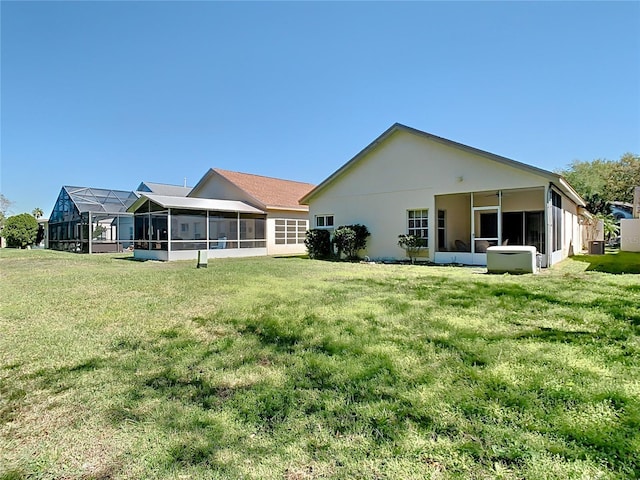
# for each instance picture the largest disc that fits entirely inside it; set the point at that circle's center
(511, 259)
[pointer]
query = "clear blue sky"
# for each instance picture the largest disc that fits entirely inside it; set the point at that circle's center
(108, 94)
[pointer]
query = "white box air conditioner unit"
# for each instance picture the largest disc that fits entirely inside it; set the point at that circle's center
(511, 259)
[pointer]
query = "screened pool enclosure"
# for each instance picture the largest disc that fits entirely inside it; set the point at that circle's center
(91, 220)
(176, 228)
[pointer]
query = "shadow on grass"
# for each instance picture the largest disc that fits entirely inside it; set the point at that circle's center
(281, 373)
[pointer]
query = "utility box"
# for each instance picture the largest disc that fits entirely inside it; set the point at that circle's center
(512, 259)
(203, 259)
(596, 247)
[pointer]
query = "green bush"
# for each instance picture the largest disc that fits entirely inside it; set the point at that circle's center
(318, 243)
(20, 230)
(349, 239)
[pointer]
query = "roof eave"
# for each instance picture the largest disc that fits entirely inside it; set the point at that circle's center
(491, 156)
(298, 208)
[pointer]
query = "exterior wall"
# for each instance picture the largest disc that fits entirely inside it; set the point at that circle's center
(523, 201)
(193, 254)
(572, 231)
(277, 249)
(213, 254)
(458, 218)
(405, 172)
(152, 255)
(630, 235)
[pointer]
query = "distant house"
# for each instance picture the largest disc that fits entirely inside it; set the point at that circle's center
(91, 220)
(95, 220)
(460, 199)
(229, 214)
(163, 189)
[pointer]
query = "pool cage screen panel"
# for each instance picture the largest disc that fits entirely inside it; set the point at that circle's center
(88, 220)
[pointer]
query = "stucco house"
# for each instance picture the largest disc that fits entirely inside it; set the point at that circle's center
(229, 214)
(459, 198)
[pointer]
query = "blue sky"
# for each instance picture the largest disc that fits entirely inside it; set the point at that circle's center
(108, 94)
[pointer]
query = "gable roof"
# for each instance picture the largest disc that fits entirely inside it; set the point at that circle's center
(194, 203)
(268, 192)
(163, 189)
(558, 180)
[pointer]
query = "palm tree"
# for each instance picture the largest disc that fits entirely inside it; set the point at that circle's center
(37, 212)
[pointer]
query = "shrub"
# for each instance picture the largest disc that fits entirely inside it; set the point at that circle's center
(349, 239)
(20, 230)
(412, 245)
(318, 243)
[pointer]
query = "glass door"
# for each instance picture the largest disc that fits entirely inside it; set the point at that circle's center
(486, 228)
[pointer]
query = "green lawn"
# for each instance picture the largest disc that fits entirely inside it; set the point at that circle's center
(287, 368)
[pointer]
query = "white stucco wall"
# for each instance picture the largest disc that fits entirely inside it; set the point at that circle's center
(403, 173)
(630, 235)
(286, 249)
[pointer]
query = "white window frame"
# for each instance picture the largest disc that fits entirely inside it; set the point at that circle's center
(324, 218)
(421, 230)
(290, 231)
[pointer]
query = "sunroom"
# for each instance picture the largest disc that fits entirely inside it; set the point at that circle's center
(176, 228)
(468, 223)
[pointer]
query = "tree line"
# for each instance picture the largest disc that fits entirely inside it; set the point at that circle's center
(602, 181)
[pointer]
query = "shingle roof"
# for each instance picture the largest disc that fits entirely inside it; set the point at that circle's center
(271, 192)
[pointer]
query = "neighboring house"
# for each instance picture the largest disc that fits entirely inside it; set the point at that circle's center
(460, 199)
(95, 220)
(229, 214)
(163, 189)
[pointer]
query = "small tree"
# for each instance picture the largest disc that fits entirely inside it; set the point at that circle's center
(20, 230)
(37, 212)
(318, 243)
(412, 245)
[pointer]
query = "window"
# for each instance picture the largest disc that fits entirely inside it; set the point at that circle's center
(418, 224)
(291, 232)
(324, 221)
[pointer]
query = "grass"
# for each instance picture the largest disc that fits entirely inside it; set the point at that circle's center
(612, 262)
(295, 369)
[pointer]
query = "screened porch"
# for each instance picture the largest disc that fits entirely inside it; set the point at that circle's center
(176, 228)
(469, 223)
